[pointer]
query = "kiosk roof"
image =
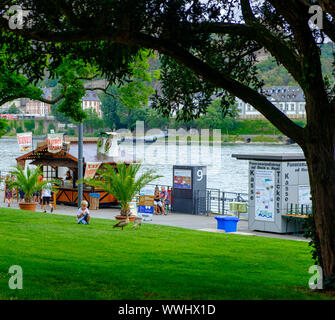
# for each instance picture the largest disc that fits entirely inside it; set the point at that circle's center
(281, 157)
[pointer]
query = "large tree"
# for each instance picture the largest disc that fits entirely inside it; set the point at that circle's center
(207, 47)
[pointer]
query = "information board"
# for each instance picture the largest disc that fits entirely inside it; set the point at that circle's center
(305, 196)
(264, 195)
(182, 179)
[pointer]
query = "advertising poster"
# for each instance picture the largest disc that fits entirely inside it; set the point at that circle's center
(55, 142)
(91, 169)
(264, 195)
(182, 179)
(25, 141)
(305, 195)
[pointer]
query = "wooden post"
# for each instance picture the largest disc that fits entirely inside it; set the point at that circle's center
(54, 201)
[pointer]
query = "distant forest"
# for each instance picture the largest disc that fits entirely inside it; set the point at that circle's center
(274, 75)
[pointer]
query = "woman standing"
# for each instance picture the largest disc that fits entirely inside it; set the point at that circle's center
(157, 201)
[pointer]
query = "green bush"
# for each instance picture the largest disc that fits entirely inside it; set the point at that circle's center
(29, 125)
(264, 139)
(71, 132)
(19, 129)
(51, 126)
(40, 129)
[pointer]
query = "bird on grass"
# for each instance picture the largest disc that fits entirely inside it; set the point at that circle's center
(137, 222)
(122, 224)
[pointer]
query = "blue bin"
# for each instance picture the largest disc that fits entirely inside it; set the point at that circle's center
(145, 209)
(95, 195)
(227, 223)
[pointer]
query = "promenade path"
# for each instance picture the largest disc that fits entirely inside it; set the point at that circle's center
(195, 222)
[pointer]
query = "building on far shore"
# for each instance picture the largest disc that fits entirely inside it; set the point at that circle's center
(289, 99)
(92, 101)
(38, 108)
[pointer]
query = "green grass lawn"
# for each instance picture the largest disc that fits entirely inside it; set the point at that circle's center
(63, 260)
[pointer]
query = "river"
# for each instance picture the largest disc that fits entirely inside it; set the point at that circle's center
(223, 171)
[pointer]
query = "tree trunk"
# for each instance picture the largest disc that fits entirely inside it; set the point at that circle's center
(321, 165)
(125, 211)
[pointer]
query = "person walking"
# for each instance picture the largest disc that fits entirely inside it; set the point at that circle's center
(8, 191)
(38, 194)
(164, 196)
(46, 196)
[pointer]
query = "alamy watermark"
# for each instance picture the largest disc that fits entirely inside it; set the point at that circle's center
(16, 279)
(193, 146)
(315, 282)
(316, 21)
(16, 14)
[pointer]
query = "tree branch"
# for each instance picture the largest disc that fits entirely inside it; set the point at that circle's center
(249, 95)
(60, 97)
(328, 6)
(247, 13)
(296, 14)
(328, 28)
(257, 32)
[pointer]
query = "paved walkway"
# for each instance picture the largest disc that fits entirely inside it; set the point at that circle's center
(195, 222)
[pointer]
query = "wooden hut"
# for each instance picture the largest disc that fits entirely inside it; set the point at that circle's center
(55, 165)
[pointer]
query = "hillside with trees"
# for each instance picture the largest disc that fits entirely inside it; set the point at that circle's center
(273, 74)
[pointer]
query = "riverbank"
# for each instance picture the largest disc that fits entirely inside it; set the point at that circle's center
(187, 139)
(223, 171)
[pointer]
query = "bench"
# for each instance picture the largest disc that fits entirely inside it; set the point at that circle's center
(297, 218)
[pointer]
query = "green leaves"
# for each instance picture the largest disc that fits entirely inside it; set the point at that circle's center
(27, 182)
(70, 74)
(14, 85)
(3, 126)
(121, 182)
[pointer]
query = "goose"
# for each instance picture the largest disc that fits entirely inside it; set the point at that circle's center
(122, 224)
(137, 222)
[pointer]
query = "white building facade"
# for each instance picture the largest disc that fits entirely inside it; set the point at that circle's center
(288, 99)
(38, 108)
(92, 101)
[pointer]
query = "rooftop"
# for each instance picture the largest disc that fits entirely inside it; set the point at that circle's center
(278, 157)
(70, 157)
(91, 96)
(284, 94)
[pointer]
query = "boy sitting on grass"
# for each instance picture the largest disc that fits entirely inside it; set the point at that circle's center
(83, 215)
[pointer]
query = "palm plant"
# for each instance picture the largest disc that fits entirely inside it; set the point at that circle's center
(28, 182)
(121, 182)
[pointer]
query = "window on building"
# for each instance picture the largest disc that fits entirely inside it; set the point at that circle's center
(249, 107)
(49, 172)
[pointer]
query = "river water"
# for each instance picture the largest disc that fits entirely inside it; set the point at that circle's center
(223, 171)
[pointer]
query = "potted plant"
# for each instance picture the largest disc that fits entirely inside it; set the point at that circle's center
(29, 183)
(122, 183)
